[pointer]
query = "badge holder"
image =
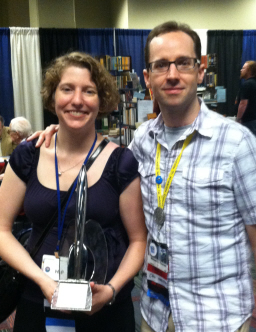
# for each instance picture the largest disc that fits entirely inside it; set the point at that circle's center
(83, 257)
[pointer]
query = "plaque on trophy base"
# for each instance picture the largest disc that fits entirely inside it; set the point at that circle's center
(72, 295)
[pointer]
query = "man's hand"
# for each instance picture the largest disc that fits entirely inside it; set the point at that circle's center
(44, 135)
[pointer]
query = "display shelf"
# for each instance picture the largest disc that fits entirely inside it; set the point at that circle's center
(128, 115)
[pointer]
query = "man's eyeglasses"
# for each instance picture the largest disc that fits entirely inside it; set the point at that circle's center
(182, 64)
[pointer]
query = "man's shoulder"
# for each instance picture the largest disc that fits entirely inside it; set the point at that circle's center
(213, 117)
(5, 133)
(216, 121)
(249, 83)
(251, 79)
(253, 82)
(7, 144)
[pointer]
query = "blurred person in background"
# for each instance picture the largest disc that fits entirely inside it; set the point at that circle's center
(6, 143)
(246, 99)
(19, 129)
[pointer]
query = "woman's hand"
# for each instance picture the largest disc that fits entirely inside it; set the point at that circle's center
(44, 135)
(48, 287)
(101, 295)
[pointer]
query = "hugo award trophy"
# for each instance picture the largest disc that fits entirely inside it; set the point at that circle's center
(83, 242)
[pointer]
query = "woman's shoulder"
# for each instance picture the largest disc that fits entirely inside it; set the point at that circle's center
(123, 166)
(124, 157)
(22, 158)
(25, 149)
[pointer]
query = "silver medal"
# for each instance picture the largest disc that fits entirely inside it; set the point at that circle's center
(159, 216)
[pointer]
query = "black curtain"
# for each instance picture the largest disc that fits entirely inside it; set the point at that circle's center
(228, 45)
(54, 43)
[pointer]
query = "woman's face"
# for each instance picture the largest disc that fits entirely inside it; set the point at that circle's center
(76, 98)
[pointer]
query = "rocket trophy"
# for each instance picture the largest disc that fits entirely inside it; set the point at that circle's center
(83, 256)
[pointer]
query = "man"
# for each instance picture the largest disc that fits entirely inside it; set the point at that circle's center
(200, 221)
(19, 129)
(246, 99)
(6, 144)
(196, 274)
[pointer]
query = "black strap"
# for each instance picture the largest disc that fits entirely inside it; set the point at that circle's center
(64, 200)
(96, 153)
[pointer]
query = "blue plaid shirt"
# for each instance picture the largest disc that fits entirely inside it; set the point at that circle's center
(212, 197)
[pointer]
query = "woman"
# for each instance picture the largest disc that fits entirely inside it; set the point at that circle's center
(77, 88)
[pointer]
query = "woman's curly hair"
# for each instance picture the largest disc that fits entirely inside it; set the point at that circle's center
(107, 91)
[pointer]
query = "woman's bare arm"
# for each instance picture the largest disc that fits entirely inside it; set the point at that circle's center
(12, 193)
(134, 222)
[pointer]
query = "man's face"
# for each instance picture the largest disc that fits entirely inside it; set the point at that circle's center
(173, 89)
(1, 128)
(245, 71)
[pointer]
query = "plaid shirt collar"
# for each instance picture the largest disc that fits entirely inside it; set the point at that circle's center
(202, 124)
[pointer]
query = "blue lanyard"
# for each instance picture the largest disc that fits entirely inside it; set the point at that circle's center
(61, 220)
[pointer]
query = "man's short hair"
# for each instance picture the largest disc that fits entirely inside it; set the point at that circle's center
(2, 120)
(252, 67)
(22, 126)
(172, 26)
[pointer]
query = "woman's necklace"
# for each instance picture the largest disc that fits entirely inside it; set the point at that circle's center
(61, 172)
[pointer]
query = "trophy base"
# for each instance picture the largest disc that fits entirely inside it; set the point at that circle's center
(72, 295)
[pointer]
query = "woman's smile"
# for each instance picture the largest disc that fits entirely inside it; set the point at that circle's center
(76, 98)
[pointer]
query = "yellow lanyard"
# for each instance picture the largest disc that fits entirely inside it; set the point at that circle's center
(161, 198)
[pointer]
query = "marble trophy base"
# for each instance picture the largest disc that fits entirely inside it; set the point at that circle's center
(72, 294)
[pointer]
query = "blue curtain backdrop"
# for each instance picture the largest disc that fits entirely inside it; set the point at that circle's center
(96, 41)
(132, 42)
(6, 88)
(249, 46)
(232, 47)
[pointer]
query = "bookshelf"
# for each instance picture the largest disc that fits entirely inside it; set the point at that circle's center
(210, 77)
(119, 67)
(119, 126)
(128, 115)
(213, 95)
(209, 90)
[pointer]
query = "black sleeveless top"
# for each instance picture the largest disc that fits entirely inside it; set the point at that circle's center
(102, 205)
